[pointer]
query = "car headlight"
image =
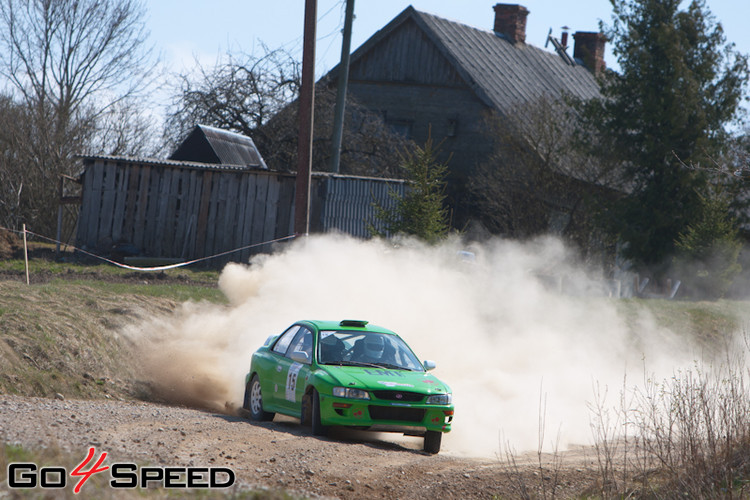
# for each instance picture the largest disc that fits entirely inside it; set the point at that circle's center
(348, 392)
(439, 399)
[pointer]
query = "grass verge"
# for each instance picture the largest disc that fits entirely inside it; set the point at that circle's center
(62, 337)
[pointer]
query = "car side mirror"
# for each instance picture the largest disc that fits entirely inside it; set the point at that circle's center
(300, 357)
(270, 340)
(429, 365)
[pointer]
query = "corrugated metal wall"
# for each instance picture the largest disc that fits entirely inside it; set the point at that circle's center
(349, 203)
(186, 211)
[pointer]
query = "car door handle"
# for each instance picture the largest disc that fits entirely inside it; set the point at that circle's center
(278, 368)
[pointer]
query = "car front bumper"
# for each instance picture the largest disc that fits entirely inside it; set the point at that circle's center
(385, 415)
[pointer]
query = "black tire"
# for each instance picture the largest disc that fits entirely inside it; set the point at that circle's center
(305, 417)
(253, 402)
(432, 441)
(318, 429)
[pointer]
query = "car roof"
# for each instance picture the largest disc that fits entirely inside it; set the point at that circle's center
(354, 325)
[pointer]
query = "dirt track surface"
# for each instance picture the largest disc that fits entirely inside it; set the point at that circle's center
(277, 455)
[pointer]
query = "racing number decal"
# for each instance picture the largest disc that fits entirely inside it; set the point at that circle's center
(291, 381)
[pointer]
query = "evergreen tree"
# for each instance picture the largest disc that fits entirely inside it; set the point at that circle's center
(421, 211)
(708, 251)
(678, 88)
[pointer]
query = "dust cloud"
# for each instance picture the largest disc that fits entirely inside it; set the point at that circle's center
(514, 350)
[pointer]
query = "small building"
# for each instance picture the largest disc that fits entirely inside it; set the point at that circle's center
(207, 144)
(185, 210)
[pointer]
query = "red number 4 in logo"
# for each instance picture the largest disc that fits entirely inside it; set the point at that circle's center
(85, 475)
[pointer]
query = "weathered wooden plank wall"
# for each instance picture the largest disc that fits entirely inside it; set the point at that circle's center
(406, 55)
(409, 79)
(185, 211)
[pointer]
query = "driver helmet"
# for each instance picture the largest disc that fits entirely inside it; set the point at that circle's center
(328, 342)
(374, 345)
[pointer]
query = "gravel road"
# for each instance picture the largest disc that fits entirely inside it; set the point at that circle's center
(276, 455)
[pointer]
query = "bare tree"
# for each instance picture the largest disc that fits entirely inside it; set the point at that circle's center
(13, 178)
(70, 52)
(127, 129)
(256, 96)
(240, 93)
(369, 146)
(68, 62)
(537, 181)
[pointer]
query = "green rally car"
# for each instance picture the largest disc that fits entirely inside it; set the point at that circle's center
(351, 374)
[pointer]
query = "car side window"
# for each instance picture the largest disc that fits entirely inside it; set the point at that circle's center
(302, 343)
(286, 338)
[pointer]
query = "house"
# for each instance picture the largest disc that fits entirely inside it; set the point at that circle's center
(429, 76)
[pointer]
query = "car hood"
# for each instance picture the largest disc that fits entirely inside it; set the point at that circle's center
(384, 378)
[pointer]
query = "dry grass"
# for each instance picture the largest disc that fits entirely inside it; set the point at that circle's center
(685, 437)
(63, 337)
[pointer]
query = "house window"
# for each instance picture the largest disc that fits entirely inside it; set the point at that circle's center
(558, 221)
(401, 127)
(452, 127)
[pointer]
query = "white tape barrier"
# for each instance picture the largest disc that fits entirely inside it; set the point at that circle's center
(158, 268)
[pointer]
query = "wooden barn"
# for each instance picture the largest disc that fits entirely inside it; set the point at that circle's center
(186, 210)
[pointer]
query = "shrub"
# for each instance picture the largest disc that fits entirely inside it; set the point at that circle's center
(708, 251)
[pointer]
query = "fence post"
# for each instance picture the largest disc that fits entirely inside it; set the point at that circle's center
(26, 254)
(59, 217)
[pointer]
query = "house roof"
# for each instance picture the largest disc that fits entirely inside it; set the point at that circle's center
(501, 73)
(207, 144)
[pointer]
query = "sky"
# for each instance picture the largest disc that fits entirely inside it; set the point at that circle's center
(186, 30)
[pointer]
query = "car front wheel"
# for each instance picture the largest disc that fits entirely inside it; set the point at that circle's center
(318, 429)
(432, 441)
(254, 401)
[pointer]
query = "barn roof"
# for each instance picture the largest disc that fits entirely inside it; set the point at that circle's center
(132, 160)
(501, 73)
(207, 144)
(184, 164)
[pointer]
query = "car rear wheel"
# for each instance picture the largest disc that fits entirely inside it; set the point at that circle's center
(432, 441)
(254, 401)
(318, 429)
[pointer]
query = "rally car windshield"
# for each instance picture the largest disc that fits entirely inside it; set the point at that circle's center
(366, 349)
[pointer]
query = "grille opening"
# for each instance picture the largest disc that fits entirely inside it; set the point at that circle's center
(396, 413)
(411, 397)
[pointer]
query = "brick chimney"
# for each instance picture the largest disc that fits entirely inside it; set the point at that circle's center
(510, 20)
(589, 48)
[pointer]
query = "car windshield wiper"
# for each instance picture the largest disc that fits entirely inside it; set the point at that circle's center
(354, 363)
(389, 366)
(394, 367)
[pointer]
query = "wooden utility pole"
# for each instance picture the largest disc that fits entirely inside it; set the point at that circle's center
(306, 117)
(338, 119)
